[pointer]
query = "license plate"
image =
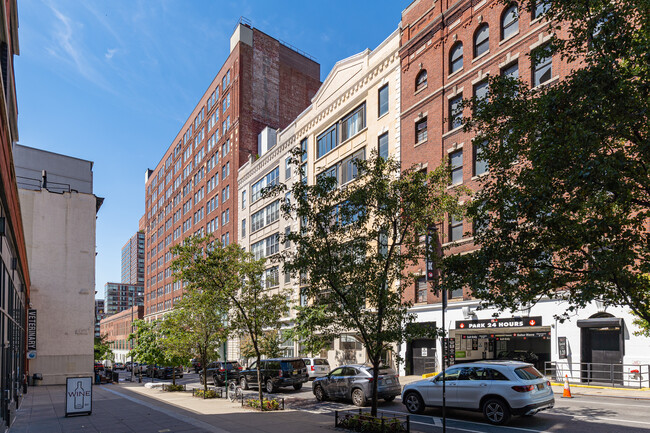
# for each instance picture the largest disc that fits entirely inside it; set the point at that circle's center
(540, 386)
(388, 381)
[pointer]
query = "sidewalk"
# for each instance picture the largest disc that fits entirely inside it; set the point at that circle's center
(133, 408)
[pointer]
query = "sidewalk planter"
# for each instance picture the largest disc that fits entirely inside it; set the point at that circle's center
(269, 404)
(211, 393)
(173, 388)
(364, 422)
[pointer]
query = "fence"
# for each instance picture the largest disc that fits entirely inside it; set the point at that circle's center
(360, 420)
(594, 373)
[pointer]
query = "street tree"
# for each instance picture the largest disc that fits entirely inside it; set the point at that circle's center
(196, 327)
(102, 348)
(564, 211)
(236, 279)
(148, 348)
(355, 245)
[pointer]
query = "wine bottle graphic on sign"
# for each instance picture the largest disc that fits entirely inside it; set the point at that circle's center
(79, 395)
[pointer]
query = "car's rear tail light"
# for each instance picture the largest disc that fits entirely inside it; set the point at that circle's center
(281, 373)
(524, 388)
(222, 369)
(312, 368)
(548, 383)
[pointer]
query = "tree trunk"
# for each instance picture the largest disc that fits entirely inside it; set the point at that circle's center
(174, 376)
(204, 366)
(375, 384)
(259, 380)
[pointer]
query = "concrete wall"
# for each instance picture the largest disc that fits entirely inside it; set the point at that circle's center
(60, 240)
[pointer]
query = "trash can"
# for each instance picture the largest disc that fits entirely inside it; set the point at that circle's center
(116, 376)
(37, 378)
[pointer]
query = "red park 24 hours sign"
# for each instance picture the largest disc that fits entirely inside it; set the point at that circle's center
(514, 322)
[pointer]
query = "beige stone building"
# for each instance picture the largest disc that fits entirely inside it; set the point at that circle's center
(356, 111)
(59, 212)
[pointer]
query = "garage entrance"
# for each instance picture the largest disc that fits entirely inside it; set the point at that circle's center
(602, 348)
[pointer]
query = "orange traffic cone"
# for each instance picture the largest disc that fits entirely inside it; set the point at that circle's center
(567, 388)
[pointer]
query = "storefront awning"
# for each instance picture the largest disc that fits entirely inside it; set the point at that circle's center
(601, 322)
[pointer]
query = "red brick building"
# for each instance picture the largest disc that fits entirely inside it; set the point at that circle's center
(117, 328)
(193, 188)
(448, 49)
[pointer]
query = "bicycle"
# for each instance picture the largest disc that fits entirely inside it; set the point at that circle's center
(234, 391)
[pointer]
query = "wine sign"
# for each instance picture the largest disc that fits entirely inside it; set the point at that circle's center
(78, 396)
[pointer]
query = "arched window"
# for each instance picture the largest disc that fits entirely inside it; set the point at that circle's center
(456, 58)
(421, 80)
(509, 22)
(482, 40)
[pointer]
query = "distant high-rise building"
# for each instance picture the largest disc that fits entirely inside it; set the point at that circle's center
(133, 260)
(119, 297)
(100, 313)
(193, 189)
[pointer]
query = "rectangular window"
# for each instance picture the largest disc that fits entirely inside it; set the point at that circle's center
(287, 168)
(303, 149)
(540, 8)
(267, 181)
(272, 277)
(243, 228)
(421, 290)
(349, 169)
(383, 100)
(383, 145)
(421, 130)
(480, 165)
(511, 71)
(455, 112)
(456, 165)
(243, 199)
(455, 229)
(353, 123)
(287, 232)
(326, 141)
(542, 67)
(331, 172)
(481, 90)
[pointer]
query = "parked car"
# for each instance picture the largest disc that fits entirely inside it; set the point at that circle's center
(168, 372)
(276, 373)
(118, 366)
(99, 366)
(518, 355)
(499, 389)
(354, 382)
(195, 364)
(131, 366)
(317, 367)
(218, 370)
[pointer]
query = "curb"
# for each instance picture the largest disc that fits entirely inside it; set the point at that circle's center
(601, 387)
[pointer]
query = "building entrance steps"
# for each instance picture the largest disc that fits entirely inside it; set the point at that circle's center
(134, 408)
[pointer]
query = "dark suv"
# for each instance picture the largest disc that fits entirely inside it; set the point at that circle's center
(276, 373)
(218, 370)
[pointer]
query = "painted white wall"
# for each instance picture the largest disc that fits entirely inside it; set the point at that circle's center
(60, 240)
(637, 348)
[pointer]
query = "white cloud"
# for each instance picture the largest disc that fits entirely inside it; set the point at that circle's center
(110, 53)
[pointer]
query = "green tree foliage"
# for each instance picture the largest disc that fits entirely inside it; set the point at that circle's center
(102, 349)
(354, 247)
(148, 345)
(196, 327)
(234, 277)
(564, 211)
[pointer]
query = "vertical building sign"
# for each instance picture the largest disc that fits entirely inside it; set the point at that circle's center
(31, 334)
(562, 347)
(78, 396)
(430, 244)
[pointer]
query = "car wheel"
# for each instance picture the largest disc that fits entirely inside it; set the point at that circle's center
(319, 393)
(389, 399)
(201, 380)
(269, 386)
(414, 402)
(358, 397)
(496, 411)
(243, 383)
(297, 386)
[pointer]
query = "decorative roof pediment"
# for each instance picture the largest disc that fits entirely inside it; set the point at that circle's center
(342, 74)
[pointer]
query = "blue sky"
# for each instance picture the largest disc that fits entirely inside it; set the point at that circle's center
(112, 81)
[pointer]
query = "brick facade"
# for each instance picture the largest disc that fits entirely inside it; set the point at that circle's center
(266, 84)
(430, 31)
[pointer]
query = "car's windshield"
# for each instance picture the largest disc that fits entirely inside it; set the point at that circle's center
(231, 365)
(528, 373)
(382, 370)
(295, 364)
(321, 362)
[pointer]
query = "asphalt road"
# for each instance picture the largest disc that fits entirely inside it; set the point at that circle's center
(582, 414)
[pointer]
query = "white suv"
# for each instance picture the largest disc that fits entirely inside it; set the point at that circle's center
(499, 389)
